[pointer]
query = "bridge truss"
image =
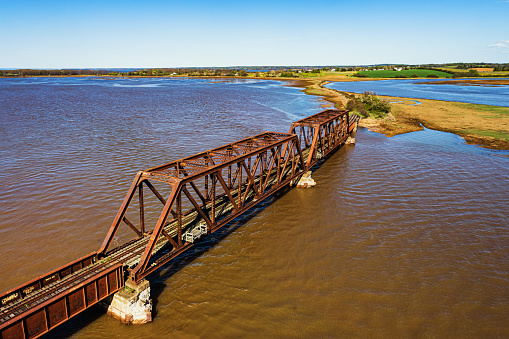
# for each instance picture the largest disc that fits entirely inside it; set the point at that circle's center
(169, 207)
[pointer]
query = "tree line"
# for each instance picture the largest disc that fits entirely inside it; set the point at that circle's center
(152, 72)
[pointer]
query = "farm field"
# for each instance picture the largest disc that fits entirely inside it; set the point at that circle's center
(482, 71)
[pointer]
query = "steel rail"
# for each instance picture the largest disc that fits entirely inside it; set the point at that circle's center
(277, 161)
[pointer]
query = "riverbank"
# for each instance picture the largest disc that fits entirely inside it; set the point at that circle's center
(483, 125)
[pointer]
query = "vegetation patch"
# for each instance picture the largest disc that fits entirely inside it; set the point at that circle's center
(288, 75)
(369, 105)
(128, 289)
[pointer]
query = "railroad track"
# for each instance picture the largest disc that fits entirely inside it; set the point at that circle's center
(38, 306)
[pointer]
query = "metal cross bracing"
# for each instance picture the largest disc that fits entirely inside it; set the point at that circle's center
(193, 195)
(321, 133)
(210, 189)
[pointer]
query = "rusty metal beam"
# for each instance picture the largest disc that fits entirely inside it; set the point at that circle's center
(264, 164)
(159, 196)
(320, 126)
(157, 232)
(227, 191)
(196, 206)
(120, 215)
(142, 208)
(61, 301)
(128, 223)
(170, 239)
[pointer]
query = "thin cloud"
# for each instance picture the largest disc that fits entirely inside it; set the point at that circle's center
(502, 44)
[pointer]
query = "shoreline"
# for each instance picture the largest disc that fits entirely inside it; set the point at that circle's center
(472, 122)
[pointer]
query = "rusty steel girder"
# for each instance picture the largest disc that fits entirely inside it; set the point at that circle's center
(40, 309)
(321, 133)
(208, 189)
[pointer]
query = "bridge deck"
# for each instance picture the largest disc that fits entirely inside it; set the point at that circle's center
(40, 305)
(128, 255)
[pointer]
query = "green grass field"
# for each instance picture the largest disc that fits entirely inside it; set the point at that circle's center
(422, 73)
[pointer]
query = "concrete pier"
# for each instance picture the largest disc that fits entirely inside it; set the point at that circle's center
(351, 137)
(132, 305)
(306, 181)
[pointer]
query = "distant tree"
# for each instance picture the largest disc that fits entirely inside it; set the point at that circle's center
(287, 74)
(501, 67)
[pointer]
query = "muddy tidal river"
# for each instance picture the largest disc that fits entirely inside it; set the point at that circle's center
(402, 237)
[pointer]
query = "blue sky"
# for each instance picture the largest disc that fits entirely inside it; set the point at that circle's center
(83, 34)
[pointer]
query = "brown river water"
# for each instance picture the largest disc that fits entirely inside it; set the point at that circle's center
(402, 237)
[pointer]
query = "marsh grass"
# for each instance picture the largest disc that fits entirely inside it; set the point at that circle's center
(495, 111)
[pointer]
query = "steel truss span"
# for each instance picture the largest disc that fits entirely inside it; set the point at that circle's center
(190, 198)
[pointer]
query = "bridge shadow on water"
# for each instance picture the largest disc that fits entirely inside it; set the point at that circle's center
(159, 277)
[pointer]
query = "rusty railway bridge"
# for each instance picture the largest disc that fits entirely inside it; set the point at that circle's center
(206, 191)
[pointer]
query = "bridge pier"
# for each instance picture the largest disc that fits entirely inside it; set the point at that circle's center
(351, 137)
(207, 190)
(132, 304)
(306, 181)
